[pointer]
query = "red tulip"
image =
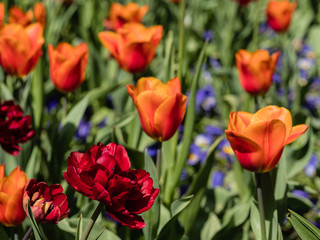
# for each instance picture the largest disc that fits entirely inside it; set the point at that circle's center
(14, 127)
(11, 194)
(256, 70)
(161, 107)
(48, 203)
(20, 48)
(120, 15)
(258, 139)
(133, 46)
(68, 65)
(103, 173)
(279, 14)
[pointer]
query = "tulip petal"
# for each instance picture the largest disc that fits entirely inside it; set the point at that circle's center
(296, 132)
(15, 213)
(131, 220)
(250, 155)
(169, 116)
(112, 41)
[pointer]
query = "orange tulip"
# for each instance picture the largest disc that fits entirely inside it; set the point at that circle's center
(133, 46)
(256, 70)
(120, 15)
(11, 196)
(40, 13)
(18, 16)
(161, 107)
(68, 65)
(20, 48)
(258, 139)
(2, 13)
(279, 14)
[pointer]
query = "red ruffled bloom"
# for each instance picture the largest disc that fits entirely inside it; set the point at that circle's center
(103, 173)
(48, 203)
(14, 127)
(244, 2)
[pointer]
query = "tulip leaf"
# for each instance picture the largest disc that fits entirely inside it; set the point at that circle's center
(79, 228)
(5, 92)
(152, 216)
(35, 227)
(37, 94)
(33, 163)
(305, 229)
(173, 229)
(167, 57)
(203, 174)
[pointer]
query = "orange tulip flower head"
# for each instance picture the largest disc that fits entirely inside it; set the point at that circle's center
(2, 13)
(258, 139)
(20, 48)
(18, 16)
(279, 14)
(40, 13)
(256, 70)
(11, 197)
(68, 65)
(120, 15)
(161, 107)
(133, 45)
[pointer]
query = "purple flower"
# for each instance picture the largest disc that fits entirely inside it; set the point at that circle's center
(207, 36)
(311, 168)
(83, 130)
(214, 130)
(300, 193)
(196, 155)
(217, 179)
(225, 151)
(205, 99)
(214, 63)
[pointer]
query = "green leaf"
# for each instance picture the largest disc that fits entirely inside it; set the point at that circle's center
(305, 229)
(33, 164)
(35, 227)
(178, 205)
(37, 93)
(79, 228)
(152, 216)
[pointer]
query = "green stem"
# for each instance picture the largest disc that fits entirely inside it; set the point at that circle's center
(158, 163)
(261, 206)
(255, 38)
(181, 38)
(28, 233)
(91, 222)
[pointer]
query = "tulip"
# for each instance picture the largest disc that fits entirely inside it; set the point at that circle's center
(279, 14)
(48, 203)
(258, 139)
(40, 13)
(256, 70)
(133, 46)
(245, 2)
(120, 15)
(161, 107)
(18, 16)
(14, 127)
(2, 14)
(103, 173)
(68, 65)
(11, 194)
(20, 48)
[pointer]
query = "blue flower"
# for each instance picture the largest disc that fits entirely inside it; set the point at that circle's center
(225, 151)
(311, 168)
(217, 179)
(214, 63)
(196, 155)
(83, 130)
(207, 36)
(300, 193)
(205, 99)
(103, 123)
(213, 130)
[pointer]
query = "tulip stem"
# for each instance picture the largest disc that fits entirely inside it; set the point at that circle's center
(158, 163)
(181, 38)
(91, 222)
(261, 206)
(255, 39)
(28, 233)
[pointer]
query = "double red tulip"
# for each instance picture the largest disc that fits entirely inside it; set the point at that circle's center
(279, 14)
(256, 70)
(258, 139)
(133, 45)
(20, 48)
(161, 107)
(68, 65)
(11, 194)
(14, 127)
(48, 203)
(120, 15)
(103, 173)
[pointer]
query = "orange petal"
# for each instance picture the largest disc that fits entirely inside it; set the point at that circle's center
(15, 213)
(112, 41)
(173, 86)
(250, 154)
(169, 115)
(296, 132)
